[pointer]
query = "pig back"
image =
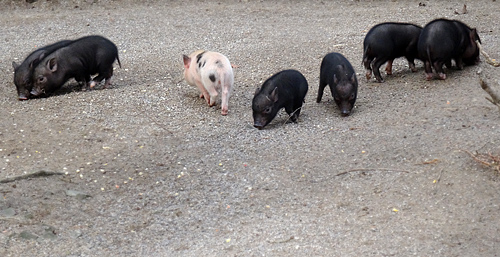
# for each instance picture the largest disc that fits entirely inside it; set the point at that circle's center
(336, 64)
(291, 85)
(94, 52)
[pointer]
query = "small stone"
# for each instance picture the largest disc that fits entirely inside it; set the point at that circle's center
(27, 235)
(79, 195)
(49, 233)
(9, 212)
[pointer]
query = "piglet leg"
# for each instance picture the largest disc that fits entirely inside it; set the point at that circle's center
(225, 101)
(106, 74)
(108, 82)
(204, 93)
(213, 95)
(388, 67)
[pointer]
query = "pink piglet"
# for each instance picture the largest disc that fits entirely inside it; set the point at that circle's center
(212, 73)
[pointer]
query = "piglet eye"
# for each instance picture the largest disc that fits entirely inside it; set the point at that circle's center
(267, 110)
(41, 79)
(351, 97)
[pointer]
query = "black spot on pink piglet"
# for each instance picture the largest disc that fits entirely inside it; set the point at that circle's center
(202, 64)
(219, 64)
(198, 57)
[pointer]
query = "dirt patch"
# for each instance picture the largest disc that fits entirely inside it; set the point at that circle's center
(147, 169)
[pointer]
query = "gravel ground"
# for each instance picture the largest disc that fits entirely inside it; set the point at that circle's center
(146, 168)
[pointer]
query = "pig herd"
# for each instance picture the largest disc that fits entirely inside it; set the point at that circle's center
(439, 42)
(436, 44)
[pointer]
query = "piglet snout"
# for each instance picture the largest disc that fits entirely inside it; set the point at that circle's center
(345, 113)
(22, 97)
(35, 92)
(258, 125)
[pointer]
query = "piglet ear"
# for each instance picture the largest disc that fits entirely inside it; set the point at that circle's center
(52, 64)
(335, 79)
(474, 36)
(15, 65)
(186, 60)
(274, 95)
(36, 61)
(257, 90)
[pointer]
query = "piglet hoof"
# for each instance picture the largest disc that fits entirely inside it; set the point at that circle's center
(388, 71)
(224, 112)
(108, 83)
(201, 96)
(92, 84)
(429, 76)
(207, 99)
(380, 80)
(442, 76)
(368, 75)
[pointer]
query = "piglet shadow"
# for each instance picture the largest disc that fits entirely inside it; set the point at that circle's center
(279, 121)
(74, 86)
